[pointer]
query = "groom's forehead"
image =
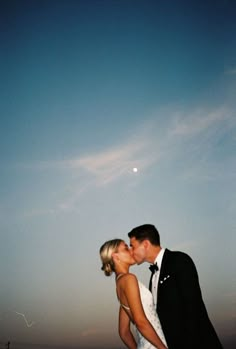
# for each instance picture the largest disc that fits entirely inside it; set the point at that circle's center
(134, 242)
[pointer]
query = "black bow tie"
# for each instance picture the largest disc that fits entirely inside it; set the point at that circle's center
(153, 267)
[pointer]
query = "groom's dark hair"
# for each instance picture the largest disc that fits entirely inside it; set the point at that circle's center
(146, 232)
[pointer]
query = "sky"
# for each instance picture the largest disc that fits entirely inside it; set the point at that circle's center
(91, 90)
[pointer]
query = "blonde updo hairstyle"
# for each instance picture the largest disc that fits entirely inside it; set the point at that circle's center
(106, 251)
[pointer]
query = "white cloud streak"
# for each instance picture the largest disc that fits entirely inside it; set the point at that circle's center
(198, 122)
(115, 163)
(28, 324)
(151, 144)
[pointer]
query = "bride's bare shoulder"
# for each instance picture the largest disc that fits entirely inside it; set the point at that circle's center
(129, 277)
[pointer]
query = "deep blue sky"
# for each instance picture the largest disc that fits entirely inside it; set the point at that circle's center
(90, 90)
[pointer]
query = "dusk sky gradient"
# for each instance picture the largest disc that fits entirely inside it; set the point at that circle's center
(90, 90)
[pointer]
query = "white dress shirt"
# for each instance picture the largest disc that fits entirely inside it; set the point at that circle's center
(156, 275)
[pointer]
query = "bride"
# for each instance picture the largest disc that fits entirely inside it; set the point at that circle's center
(136, 302)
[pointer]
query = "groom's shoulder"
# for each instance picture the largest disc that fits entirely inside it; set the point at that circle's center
(178, 255)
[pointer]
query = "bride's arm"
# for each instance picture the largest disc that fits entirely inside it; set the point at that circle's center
(124, 330)
(131, 290)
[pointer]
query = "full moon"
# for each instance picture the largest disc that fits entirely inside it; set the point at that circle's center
(135, 169)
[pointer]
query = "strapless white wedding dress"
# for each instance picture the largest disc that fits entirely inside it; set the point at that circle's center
(150, 311)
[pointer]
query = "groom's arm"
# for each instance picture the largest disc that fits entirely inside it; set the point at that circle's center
(190, 293)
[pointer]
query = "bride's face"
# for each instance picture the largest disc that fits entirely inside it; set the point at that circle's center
(125, 254)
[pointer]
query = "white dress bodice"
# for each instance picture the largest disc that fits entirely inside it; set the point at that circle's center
(150, 312)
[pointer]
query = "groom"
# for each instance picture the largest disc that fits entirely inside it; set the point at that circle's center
(176, 292)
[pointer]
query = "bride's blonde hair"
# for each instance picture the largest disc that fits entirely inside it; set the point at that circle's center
(106, 251)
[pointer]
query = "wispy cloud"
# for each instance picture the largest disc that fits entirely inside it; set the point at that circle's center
(114, 163)
(191, 134)
(147, 147)
(231, 71)
(106, 167)
(28, 324)
(198, 121)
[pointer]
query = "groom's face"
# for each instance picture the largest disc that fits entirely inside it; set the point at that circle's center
(138, 250)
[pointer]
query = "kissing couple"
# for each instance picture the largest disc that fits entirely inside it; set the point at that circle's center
(171, 313)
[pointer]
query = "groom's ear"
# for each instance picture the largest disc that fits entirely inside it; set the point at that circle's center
(146, 243)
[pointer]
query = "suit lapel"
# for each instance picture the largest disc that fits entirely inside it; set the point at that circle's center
(164, 268)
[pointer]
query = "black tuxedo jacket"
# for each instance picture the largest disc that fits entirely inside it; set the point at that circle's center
(180, 306)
